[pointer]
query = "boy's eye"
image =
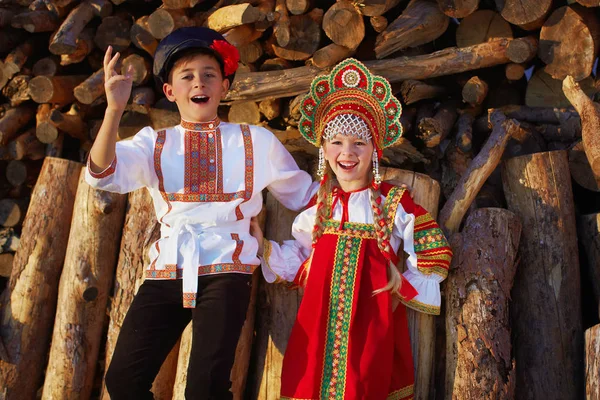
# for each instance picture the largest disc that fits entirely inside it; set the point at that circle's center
(187, 77)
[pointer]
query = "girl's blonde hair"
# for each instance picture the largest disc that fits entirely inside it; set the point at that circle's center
(382, 230)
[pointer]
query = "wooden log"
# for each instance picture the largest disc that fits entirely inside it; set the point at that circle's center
(569, 42)
(425, 191)
(140, 231)
(64, 41)
(479, 360)
(435, 129)
(242, 35)
(12, 120)
(250, 53)
(228, 17)
(6, 263)
(14, 61)
(281, 29)
(479, 170)
(588, 228)
(84, 45)
(20, 172)
(161, 118)
(454, 165)
(183, 359)
(374, 8)
(9, 240)
(164, 21)
(91, 88)
(523, 50)
(46, 131)
(305, 36)
(589, 3)
(47, 66)
(54, 89)
(297, 7)
(17, 90)
(276, 312)
(580, 169)
(379, 23)
(527, 14)
(329, 55)
(28, 146)
(113, 31)
(178, 4)
(142, 98)
(30, 299)
(10, 38)
(546, 307)
(592, 362)
(421, 22)
(292, 82)
(458, 8)
(142, 37)
(545, 91)
(12, 212)
(55, 149)
(344, 25)
(36, 21)
(139, 67)
(131, 123)
(70, 122)
(244, 113)
(412, 91)
(474, 91)
(270, 108)
(480, 27)
(514, 72)
(590, 121)
(87, 274)
(6, 16)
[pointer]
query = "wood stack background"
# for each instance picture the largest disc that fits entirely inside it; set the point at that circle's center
(498, 107)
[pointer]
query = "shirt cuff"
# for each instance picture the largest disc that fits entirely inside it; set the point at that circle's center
(102, 174)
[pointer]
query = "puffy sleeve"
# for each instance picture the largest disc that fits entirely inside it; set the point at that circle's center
(131, 168)
(281, 262)
(290, 185)
(428, 251)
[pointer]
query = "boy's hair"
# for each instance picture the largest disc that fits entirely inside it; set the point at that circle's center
(188, 55)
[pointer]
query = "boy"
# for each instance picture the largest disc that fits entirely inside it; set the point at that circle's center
(205, 178)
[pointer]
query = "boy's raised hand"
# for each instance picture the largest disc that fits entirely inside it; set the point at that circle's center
(117, 87)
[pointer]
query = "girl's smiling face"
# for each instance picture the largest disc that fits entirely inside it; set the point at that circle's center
(350, 158)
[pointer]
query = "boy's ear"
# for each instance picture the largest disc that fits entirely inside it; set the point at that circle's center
(225, 84)
(168, 91)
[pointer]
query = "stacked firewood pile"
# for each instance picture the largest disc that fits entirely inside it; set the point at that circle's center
(498, 108)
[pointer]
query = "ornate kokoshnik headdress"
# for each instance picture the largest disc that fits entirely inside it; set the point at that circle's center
(351, 101)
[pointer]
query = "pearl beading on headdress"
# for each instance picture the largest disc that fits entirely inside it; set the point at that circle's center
(347, 124)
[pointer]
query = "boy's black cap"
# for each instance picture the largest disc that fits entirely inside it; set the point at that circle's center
(185, 39)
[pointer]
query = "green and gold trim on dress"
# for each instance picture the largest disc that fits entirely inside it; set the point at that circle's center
(351, 229)
(422, 307)
(390, 207)
(333, 378)
(402, 394)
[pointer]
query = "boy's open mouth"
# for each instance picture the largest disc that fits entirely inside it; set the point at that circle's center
(347, 165)
(200, 99)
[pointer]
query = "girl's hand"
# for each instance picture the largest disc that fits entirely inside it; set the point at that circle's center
(117, 87)
(257, 233)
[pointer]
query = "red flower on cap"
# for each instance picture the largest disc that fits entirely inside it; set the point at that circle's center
(229, 53)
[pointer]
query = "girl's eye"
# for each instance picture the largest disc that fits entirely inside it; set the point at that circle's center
(336, 142)
(209, 75)
(360, 143)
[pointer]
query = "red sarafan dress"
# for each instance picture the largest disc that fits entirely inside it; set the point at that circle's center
(346, 342)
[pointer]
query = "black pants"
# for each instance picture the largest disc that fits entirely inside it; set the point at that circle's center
(154, 323)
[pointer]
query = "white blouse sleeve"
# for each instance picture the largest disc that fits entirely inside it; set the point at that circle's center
(429, 254)
(281, 262)
(131, 168)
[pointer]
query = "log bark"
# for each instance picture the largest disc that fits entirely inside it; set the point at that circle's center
(70, 122)
(114, 31)
(569, 42)
(28, 146)
(87, 274)
(329, 55)
(581, 172)
(242, 35)
(545, 91)
(546, 307)
(14, 61)
(142, 37)
(589, 230)
(12, 120)
(592, 363)
(375, 8)
(425, 191)
(421, 22)
(458, 8)
(228, 17)
(344, 25)
(91, 88)
(480, 27)
(64, 41)
(292, 82)
(475, 91)
(45, 131)
(379, 23)
(479, 358)
(305, 37)
(140, 231)
(6, 263)
(36, 21)
(435, 129)
(527, 14)
(83, 46)
(9, 240)
(29, 303)
(590, 121)
(17, 90)
(412, 91)
(270, 108)
(281, 29)
(479, 170)
(54, 89)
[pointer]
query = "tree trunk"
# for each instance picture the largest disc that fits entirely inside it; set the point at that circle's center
(569, 42)
(546, 308)
(589, 231)
(421, 22)
(29, 303)
(83, 292)
(425, 191)
(479, 360)
(140, 230)
(592, 363)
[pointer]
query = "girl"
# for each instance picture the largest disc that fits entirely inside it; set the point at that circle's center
(350, 339)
